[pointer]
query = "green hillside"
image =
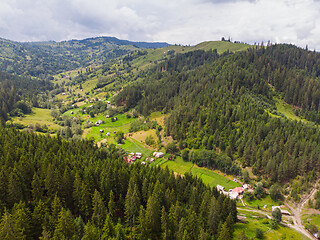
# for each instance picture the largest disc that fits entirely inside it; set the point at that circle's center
(43, 59)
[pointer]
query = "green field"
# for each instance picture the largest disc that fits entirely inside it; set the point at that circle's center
(132, 145)
(286, 110)
(178, 166)
(212, 179)
(38, 116)
(122, 124)
(256, 220)
(313, 219)
(262, 202)
(208, 176)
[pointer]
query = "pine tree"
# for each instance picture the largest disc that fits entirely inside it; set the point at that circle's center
(153, 216)
(8, 229)
(112, 206)
(37, 187)
(91, 232)
(99, 210)
(224, 233)
(65, 226)
(21, 216)
(78, 228)
(132, 204)
(108, 228)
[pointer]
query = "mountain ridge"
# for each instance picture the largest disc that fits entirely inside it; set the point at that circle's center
(42, 59)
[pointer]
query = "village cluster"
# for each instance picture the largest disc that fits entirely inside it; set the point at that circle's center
(132, 157)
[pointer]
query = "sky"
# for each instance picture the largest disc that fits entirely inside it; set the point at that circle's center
(185, 22)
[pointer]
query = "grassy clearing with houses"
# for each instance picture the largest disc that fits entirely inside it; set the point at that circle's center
(122, 124)
(131, 145)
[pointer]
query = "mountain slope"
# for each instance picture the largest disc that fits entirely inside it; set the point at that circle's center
(47, 58)
(224, 105)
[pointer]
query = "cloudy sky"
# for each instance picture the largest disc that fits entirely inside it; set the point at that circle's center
(172, 21)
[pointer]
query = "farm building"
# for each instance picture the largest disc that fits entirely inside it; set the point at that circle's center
(220, 188)
(158, 154)
(233, 195)
(238, 190)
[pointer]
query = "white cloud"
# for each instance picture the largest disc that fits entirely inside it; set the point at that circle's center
(179, 21)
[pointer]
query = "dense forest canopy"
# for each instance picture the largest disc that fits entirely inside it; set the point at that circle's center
(55, 189)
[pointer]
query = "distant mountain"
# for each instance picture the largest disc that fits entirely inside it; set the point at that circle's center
(42, 59)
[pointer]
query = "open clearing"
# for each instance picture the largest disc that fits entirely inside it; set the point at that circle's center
(255, 220)
(39, 116)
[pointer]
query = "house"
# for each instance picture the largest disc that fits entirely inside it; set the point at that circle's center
(71, 112)
(107, 116)
(143, 163)
(233, 195)
(101, 130)
(158, 154)
(238, 190)
(108, 134)
(220, 188)
(134, 158)
(63, 93)
(139, 155)
(151, 160)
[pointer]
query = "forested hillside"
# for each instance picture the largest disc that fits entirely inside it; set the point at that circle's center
(55, 189)
(225, 103)
(43, 59)
(19, 94)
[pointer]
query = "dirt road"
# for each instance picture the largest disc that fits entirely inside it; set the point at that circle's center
(296, 213)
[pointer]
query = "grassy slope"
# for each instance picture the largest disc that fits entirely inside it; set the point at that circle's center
(40, 116)
(212, 178)
(161, 53)
(255, 221)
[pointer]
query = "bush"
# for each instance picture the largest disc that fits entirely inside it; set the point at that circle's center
(277, 215)
(275, 192)
(149, 140)
(248, 196)
(259, 233)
